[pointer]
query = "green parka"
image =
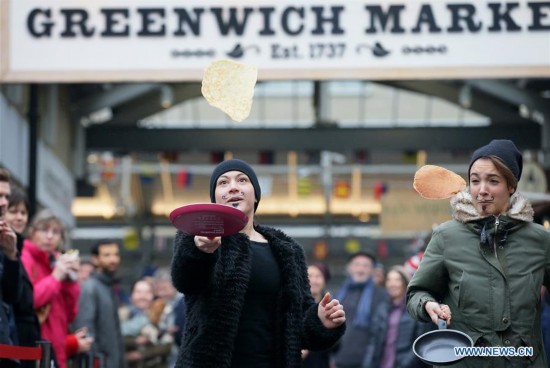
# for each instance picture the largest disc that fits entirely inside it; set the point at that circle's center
(489, 271)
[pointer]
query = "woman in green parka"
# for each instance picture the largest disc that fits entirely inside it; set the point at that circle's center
(483, 270)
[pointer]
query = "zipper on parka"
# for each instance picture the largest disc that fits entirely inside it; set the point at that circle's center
(497, 222)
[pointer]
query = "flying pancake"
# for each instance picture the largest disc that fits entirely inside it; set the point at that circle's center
(229, 86)
(436, 182)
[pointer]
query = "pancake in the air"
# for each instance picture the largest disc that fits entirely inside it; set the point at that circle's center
(436, 182)
(229, 86)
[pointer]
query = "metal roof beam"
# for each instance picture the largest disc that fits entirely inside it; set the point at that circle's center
(526, 136)
(129, 114)
(481, 102)
(112, 97)
(511, 93)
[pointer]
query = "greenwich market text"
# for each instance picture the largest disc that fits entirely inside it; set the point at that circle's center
(269, 22)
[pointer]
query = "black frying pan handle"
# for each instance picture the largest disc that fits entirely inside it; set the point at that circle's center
(441, 324)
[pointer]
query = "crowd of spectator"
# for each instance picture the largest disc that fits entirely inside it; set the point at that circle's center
(49, 292)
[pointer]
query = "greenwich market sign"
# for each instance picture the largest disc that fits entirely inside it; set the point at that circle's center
(101, 40)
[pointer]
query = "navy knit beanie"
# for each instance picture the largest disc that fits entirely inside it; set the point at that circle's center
(504, 149)
(235, 165)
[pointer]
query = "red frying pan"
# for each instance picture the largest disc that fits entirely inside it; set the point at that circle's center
(208, 219)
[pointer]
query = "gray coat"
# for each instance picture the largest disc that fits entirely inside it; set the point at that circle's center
(490, 272)
(98, 310)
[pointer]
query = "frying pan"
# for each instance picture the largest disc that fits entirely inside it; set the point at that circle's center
(437, 347)
(208, 219)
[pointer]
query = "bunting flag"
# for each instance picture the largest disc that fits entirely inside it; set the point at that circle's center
(216, 157)
(320, 250)
(304, 186)
(312, 157)
(342, 189)
(361, 156)
(130, 241)
(380, 188)
(184, 179)
(147, 176)
(171, 156)
(382, 249)
(107, 165)
(352, 246)
(266, 158)
(409, 158)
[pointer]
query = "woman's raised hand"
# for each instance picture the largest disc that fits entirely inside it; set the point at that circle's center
(8, 241)
(331, 312)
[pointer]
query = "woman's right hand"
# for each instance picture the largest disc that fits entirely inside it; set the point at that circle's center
(206, 244)
(61, 268)
(66, 267)
(438, 311)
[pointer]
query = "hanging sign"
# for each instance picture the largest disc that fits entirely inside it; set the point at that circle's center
(144, 40)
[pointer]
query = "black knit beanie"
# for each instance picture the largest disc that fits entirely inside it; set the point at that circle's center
(235, 165)
(504, 149)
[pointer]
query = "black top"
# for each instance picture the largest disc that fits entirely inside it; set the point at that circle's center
(255, 342)
(28, 327)
(317, 359)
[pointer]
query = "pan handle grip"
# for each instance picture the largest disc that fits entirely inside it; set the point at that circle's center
(441, 324)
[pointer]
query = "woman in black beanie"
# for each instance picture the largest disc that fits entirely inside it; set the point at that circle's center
(483, 270)
(248, 301)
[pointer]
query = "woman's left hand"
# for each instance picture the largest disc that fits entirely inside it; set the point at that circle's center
(331, 312)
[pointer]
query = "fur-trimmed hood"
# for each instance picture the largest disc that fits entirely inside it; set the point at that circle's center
(463, 209)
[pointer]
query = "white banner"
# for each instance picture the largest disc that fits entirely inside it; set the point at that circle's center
(116, 40)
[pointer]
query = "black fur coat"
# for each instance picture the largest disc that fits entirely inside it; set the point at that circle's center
(215, 285)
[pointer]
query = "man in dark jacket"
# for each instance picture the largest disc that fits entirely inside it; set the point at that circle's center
(360, 297)
(9, 266)
(98, 305)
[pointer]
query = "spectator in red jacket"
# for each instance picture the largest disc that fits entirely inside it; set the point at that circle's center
(56, 289)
